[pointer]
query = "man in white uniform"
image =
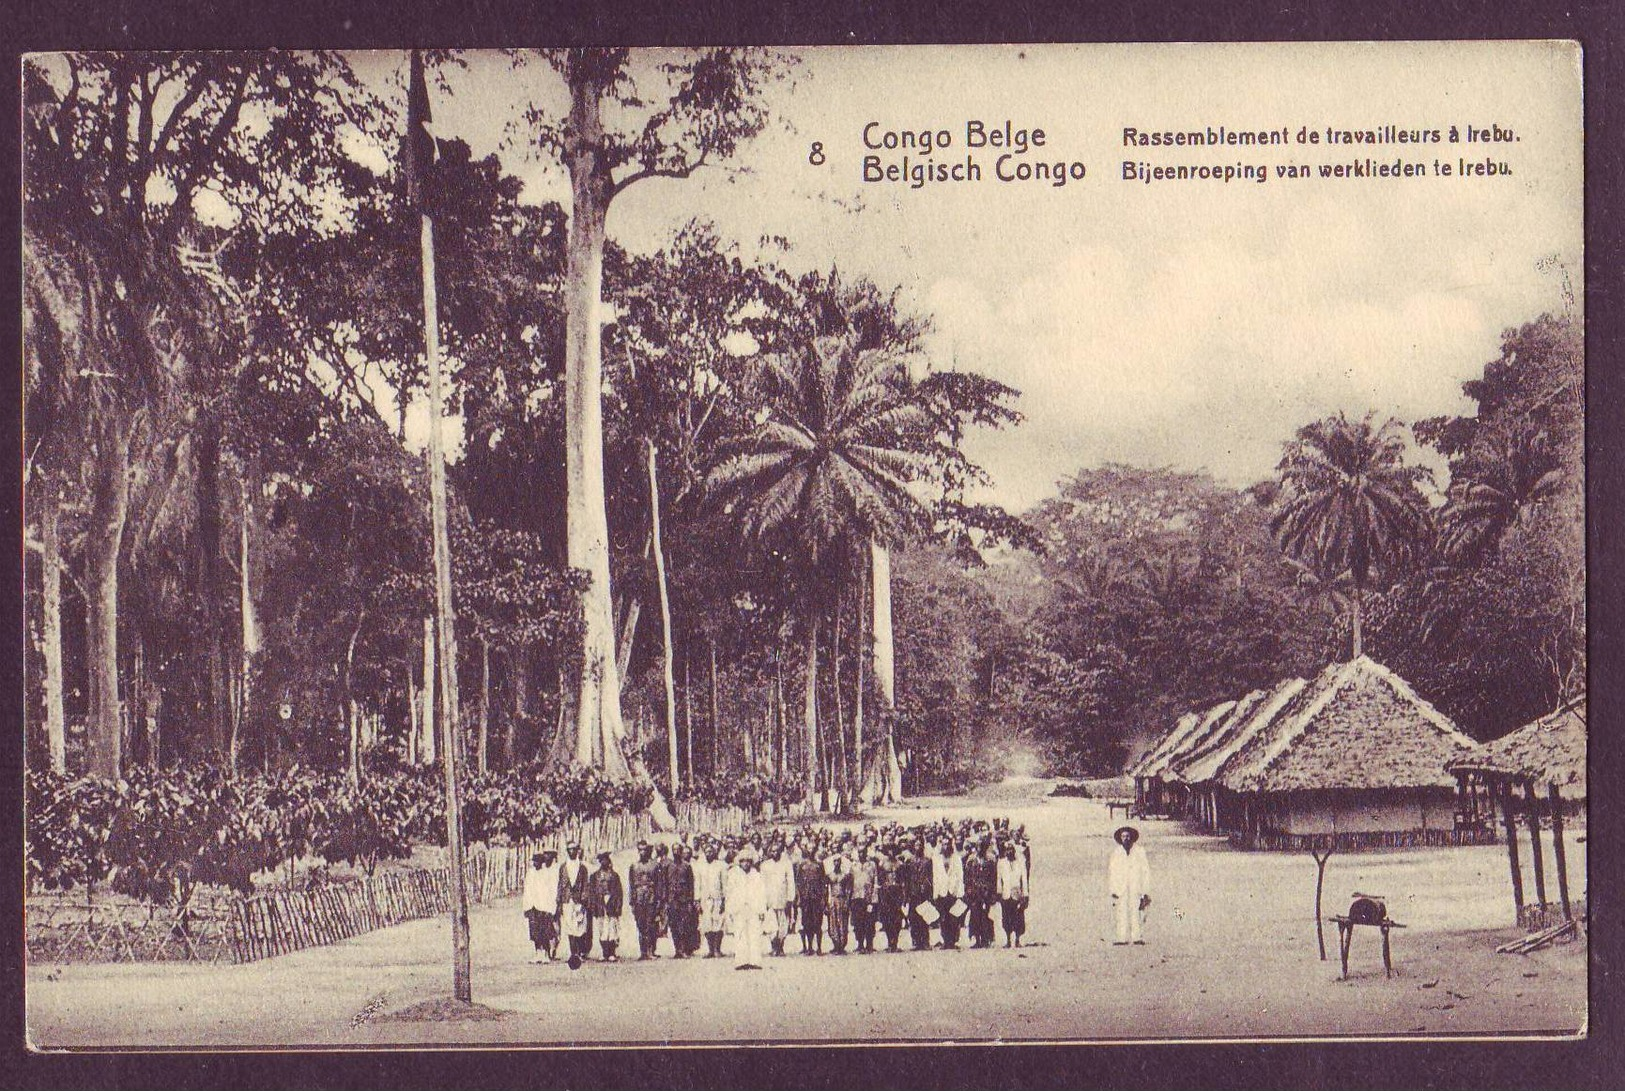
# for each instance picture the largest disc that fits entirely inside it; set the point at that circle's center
(779, 877)
(710, 889)
(1128, 880)
(747, 906)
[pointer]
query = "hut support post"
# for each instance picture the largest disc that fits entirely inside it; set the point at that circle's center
(1512, 847)
(1532, 816)
(1558, 851)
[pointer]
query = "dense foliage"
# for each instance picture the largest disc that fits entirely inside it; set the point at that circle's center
(158, 835)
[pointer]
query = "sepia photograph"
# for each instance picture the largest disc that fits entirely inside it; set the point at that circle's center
(950, 543)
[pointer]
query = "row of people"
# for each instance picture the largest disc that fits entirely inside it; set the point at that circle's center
(820, 884)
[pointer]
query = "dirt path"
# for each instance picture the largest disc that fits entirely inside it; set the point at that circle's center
(1231, 953)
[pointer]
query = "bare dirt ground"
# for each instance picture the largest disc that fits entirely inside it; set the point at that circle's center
(1231, 953)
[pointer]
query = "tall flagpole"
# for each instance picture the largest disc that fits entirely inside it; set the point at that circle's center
(451, 751)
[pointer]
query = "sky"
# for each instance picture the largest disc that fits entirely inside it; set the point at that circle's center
(1193, 324)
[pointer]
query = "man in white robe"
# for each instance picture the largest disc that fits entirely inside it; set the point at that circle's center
(747, 907)
(541, 904)
(1128, 880)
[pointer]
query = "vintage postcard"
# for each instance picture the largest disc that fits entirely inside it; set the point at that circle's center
(804, 545)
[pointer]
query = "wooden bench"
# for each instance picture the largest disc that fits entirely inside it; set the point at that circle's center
(1124, 805)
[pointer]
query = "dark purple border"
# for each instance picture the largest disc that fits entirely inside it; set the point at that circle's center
(369, 23)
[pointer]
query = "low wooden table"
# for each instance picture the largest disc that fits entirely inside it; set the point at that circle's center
(1124, 805)
(1372, 914)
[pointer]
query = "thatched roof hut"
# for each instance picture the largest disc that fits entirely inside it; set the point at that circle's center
(1552, 750)
(1204, 763)
(1352, 757)
(1205, 722)
(1166, 742)
(1357, 725)
(1537, 773)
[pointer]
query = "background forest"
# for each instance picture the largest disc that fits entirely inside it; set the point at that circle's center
(227, 521)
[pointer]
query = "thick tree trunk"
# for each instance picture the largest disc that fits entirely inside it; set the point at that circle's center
(809, 710)
(598, 714)
(666, 667)
(110, 507)
(51, 582)
(884, 654)
(885, 664)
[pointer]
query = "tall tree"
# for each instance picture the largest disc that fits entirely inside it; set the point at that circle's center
(708, 103)
(1350, 503)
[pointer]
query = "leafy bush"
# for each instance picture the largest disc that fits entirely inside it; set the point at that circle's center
(375, 820)
(68, 826)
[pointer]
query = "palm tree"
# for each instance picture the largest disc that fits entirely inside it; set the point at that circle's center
(1349, 503)
(827, 469)
(1487, 497)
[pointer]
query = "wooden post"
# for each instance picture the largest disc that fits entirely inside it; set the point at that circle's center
(1558, 851)
(1533, 818)
(1512, 846)
(450, 742)
(1320, 882)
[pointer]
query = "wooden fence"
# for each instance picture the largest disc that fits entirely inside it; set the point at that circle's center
(77, 928)
(1272, 841)
(279, 922)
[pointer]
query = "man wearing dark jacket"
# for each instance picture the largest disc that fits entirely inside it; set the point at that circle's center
(865, 892)
(682, 905)
(575, 918)
(646, 881)
(891, 900)
(606, 900)
(981, 891)
(917, 887)
(811, 893)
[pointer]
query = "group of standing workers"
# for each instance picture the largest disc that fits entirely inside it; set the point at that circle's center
(848, 887)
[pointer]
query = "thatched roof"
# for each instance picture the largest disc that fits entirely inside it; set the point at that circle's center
(1205, 763)
(1172, 738)
(1552, 750)
(1217, 732)
(1355, 725)
(1157, 765)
